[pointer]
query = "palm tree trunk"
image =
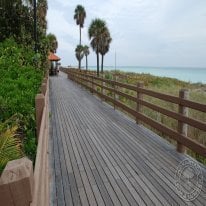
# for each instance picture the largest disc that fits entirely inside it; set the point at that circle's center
(79, 64)
(86, 64)
(102, 70)
(97, 64)
(80, 34)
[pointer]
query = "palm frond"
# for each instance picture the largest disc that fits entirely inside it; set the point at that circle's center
(79, 15)
(10, 146)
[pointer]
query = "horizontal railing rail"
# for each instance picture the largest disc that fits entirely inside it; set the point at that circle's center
(93, 82)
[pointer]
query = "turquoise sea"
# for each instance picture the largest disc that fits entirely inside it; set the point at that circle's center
(193, 75)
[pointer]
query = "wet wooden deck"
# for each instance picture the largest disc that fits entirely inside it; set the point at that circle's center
(100, 157)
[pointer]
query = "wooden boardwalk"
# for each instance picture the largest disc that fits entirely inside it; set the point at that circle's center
(100, 157)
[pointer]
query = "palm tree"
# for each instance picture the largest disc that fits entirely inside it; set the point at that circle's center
(79, 52)
(79, 16)
(104, 45)
(53, 43)
(86, 53)
(96, 31)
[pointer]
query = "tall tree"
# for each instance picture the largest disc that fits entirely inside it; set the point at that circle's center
(41, 15)
(79, 16)
(97, 29)
(104, 46)
(79, 52)
(16, 21)
(86, 53)
(53, 44)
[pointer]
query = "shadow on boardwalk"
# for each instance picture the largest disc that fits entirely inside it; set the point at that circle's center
(100, 157)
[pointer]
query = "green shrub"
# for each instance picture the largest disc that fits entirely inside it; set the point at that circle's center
(19, 83)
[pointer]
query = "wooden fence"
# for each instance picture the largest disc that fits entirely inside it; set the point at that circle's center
(92, 82)
(19, 184)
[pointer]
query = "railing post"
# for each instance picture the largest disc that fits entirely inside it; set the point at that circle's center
(102, 83)
(114, 87)
(139, 97)
(80, 75)
(87, 78)
(92, 84)
(182, 127)
(39, 105)
(44, 80)
(43, 88)
(16, 183)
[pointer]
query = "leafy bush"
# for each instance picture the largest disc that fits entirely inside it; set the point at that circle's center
(19, 83)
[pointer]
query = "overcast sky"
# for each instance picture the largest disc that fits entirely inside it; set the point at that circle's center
(144, 32)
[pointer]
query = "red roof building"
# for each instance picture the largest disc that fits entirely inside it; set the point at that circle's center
(53, 57)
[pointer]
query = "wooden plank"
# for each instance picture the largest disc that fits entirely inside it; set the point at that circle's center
(75, 194)
(58, 177)
(157, 151)
(88, 189)
(64, 160)
(173, 173)
(75, 159)
(75, 113)
(96, 190)
(117, 161)
(137, 195)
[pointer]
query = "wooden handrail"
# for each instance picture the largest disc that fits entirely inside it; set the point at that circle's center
(91, 81)
(195, 123)
(158, 95)
(41, 173)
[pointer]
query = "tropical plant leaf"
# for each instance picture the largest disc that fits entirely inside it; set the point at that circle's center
(10, 146)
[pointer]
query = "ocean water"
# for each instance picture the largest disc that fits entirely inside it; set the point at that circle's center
(193, 75)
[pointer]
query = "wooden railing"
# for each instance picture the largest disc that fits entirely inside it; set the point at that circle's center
(92, 82)
(41, 169)
(19, 185)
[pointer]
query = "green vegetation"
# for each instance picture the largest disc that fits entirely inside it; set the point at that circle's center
(104, 45)
(10, 143)
(79, 16)
(79, 53)
(86, 53)
(19, 83)
(100, 39)
(53, 44)
(168, 86)
(21, 71)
